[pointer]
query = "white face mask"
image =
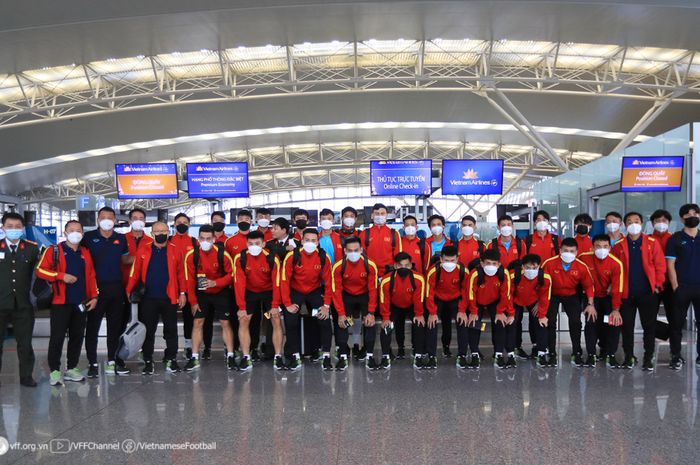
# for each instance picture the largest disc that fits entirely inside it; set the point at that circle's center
(326, 224)
(410, 230)
(602, 253)
(542, 225)
(449, 266)
(612, 227)
(634, 229)
(137, 225)
(467, 230)
(437, 230)
(531, 274)
(354, 256)
(490, 270)
(506, 231)
(568, 257)
(74, 237)
(106, 225)
(379, 220)
(349, 221)
(309, 247)
(255, 250)
(205, 245)
(263, 222)
(661, 227)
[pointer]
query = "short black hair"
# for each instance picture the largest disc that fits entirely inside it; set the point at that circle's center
(313, 231)
(263, 211)
(660, 213)
(491, 254)
(584, 218)
(601, 237)
(300, 212)
(377, 206)
(217, 213)
(71, 222)
(569, 242)
(504, 217)
(613, 214)
(436, 217)
(532, 258)
(641, 218)
(410, 217)
(256, 235)
(108, 210)
(353, 240)
(449, 251)
(244, 212)
(12, 216)
(541, 212)
(401, 256)
(283, 223)
(326, 211)
(136, 210)
(685, 209)
(181, 215)
(469, 218)
(348, 209)
(206, 228)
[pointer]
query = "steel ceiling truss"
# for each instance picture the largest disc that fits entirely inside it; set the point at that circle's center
(473, 65)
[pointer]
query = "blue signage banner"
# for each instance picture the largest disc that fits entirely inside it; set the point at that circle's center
(217, 180)
(472, 177)
(400, 177)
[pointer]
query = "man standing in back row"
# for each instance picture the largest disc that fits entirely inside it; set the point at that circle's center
(380, 242)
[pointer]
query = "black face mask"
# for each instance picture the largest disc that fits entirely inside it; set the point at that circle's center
(219, 227)
(691, 222)
(160, 238)
(301, 224)
(182, 228)
(581, 229)
(243, 225)
(403, 272)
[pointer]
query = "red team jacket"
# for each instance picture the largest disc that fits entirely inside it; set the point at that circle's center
(468, 250)
(492, 290)
(131, 245)
(584, 244)
(403, 296)
(176, 272)
(565, 283)
(380, 249)
(653, 262)
(304, 277)
(208, 266)
(543, 246)
(257, 276)
(507, 256)
(412, 247)
(236, 244)
(45, 271)
(608, 276)
(356, 280)
(450, 287)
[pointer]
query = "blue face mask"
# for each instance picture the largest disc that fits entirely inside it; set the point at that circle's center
(14, 234)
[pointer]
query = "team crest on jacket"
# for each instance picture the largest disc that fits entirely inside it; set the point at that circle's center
(317, 267)
(574, 272)
(363, 274)
(387, 239)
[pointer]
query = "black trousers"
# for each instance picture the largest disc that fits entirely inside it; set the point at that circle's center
(150, 310)
(541, 334)
(66, 318)
(110, 303)
(208, 330)
(425, 338)
(503, 335)
(187, 321)
(356, 306)
(398, 317)
(572, 307)
(648, 306)
(594, 329)
(685, 295)
(531, 327)
(257, 303)
(292, 322)
(447, 311)
(22, 319)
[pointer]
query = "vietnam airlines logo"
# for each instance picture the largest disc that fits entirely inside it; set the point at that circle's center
(199, 168)
(636, 162)
(127, 168)
(470, 174)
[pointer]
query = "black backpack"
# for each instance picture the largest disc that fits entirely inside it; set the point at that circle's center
(345, 261)
(518, 276)
(518, 245)
(219, 256)
(270, 259)
(481, 276)
(462, 273)
(528, 243)
(393, 237)
(43, 290)
(391, 282)
(296, 257)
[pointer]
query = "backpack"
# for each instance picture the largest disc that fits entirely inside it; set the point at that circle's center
(43, 290)
(462, 273)
(519, 276)
(345, 261)
(296, 257)
(391, 282)
(518, 245)
(393, 238)
(481, 276)
(219, 256)
(270, 259)
(528, 243)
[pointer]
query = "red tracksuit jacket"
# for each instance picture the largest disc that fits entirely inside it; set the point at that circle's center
(355, 281)
(653, 262)
(543, 246)
(404, 295)
(507, 256)
(565, 283)
(337, 246)
(183, 243)
(379, 249)
(429, 250)
(412, 247)
(468, 250)
(257, 276)
(236, 244)
(528, 292)
(492, 290)
(449, 288)
(584, 244)
(45, 271)
(176, 272)
(133, 247)
(608, 276)
(209, 267)
(305, 277)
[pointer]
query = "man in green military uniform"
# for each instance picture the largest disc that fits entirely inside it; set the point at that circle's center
(18, 258)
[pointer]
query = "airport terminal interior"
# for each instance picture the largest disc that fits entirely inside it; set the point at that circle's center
(376, 142)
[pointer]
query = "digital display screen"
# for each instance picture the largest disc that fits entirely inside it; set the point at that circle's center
(400, 177)
(217, 180)
(651, 174)
(146, 181)
(472, 177)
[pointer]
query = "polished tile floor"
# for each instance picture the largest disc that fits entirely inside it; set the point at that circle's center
(522, 416)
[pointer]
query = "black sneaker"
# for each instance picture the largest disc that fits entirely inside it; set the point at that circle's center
(188, 353)
(148, 368)
(462, 362)
(577, 360)
(446, 352)
(342, 364)
(591, 361)
(475, 362)
(246, 364)
(510, 361)
(327, 365)
(542, 361)
(93, 370)
(612, 363)
(278, 363)
(255, 355)
(401, 353)
(121, 369)
(361, 354)
(432, 363)
(316, 356)
(552, 360)
(171, 366)
(371, 363)
(648, 364)
(521, 354)
(355, 351)
(192, 364)
(418, 362)
(676, 363)
(533, 354)
(386, 363)
(499, 361)
(294, 363)
(231, 362)
(629, 362)
(206, 354)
